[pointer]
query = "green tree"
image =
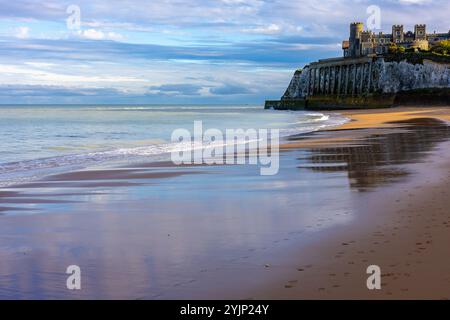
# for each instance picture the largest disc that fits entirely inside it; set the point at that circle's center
(393, 48)
(442, 47)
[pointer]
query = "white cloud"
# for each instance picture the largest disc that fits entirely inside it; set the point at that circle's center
(94, 34)
(38, 76)
(270, 29)
(312, 46)
(117, 25)
(40, 64)
(275, 28)
(22, 32)
(415, 1)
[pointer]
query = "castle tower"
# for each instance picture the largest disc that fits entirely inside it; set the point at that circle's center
(356, 28)
(397, 33)
(420, 32)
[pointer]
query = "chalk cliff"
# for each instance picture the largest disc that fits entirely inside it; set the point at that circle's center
(367, 82)
(404, 76)
(389, 77)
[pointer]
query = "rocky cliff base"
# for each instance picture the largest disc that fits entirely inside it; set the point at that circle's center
(416, 97)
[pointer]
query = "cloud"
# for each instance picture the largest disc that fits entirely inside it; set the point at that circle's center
(415, 1)
(274, 29)
(230, 89)
(223, 14)
(53, 91)
(94, 34)
(184, 89)
(270, 29)
(275, 52)
(117, 25)
(60, 76)
(22, 32)
(31, 9)
(179, 51)
(37, 64)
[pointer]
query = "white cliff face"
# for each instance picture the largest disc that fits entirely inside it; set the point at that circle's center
(397, 76)
(388, 77)
(297, 86)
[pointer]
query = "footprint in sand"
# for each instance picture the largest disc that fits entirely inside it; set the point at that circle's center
(290, 284)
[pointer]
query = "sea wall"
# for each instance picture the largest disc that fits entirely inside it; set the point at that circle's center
(366, 82)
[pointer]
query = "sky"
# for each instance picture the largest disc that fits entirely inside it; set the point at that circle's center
(172, 51)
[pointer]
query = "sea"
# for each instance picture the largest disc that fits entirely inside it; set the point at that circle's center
(38, 140)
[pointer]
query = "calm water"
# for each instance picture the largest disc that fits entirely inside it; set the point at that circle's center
(38, 140)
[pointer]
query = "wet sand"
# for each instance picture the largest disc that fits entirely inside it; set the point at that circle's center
(402, 227)
(373, 191)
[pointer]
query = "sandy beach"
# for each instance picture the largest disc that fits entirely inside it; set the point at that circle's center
(401, 227)
(371, 192)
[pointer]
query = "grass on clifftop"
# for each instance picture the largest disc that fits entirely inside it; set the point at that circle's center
(417, 57)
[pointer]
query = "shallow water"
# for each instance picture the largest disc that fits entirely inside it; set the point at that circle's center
(41, 139)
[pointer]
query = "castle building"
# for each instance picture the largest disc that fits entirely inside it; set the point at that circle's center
(364, 43)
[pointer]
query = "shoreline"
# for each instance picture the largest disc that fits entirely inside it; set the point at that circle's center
(368, 119)
(402, 227)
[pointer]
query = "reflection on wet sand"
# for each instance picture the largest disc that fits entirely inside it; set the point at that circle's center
(156, 231)
(377, 159)
(88, 180)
